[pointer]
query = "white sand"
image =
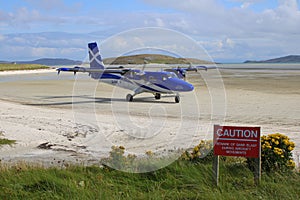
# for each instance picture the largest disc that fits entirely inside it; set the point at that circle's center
(15, 72)
(81, 128)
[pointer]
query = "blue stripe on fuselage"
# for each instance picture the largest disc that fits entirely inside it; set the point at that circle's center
(113, 76)
(110, 76)
(147, 88)
(161, 86)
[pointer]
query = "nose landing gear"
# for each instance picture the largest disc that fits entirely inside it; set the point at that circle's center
(177, 98)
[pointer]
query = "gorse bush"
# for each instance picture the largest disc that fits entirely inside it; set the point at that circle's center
(203, 152)
(118, 159)
(276, 153)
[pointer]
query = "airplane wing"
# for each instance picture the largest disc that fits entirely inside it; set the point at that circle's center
(199, 67)
(76, 69)
(196, 68)
(181, 71)
(205, 67)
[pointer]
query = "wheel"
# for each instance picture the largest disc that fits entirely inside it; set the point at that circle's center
(129, 97)
(157, 95)
(177, 99)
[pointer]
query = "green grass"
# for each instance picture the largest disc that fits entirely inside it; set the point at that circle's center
(4, 141)
(181, 180)
(11, 67)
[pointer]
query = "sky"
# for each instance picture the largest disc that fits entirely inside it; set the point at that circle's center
(228, 30)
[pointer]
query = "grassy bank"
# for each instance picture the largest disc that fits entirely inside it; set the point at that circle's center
(181, 180)
(12, 67)
(4, 141)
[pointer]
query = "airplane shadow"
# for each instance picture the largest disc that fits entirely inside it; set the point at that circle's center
(85, 99)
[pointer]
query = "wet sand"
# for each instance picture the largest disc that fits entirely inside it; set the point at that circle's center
(56, 118)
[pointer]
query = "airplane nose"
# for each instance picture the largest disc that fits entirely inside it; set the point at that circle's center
(184, 87)
(190, 87)
(179, 85)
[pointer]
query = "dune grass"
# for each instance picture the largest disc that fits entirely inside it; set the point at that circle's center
(181, 180)
(12, 67)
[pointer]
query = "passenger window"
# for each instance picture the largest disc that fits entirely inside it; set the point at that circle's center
(151, 78)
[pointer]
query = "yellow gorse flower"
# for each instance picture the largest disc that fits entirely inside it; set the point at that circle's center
(273, 140)
(286, 142)
(278, 151)
(290, 148)
(149, 153)
(291, 163)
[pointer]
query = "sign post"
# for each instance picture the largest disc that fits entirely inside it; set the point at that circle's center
(237, 141)
(216, 170)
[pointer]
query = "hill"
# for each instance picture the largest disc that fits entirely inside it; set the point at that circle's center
(152, 58)
(122, 60)
(285, 59)
(51, 61)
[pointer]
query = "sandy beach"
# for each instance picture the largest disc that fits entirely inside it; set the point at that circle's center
(64, 118)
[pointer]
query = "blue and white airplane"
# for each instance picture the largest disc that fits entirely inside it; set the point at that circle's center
(138, 81)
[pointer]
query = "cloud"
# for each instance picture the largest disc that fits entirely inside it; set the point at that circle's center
(2, 37)
(213, 16)
(191, 6)
(236, 32)
(54, 5)
(30, 46)
(263, 32)
(244, 4)
(152, 40)
(26, 19)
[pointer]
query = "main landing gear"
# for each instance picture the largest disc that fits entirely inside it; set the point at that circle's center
(157, 95)
(129, 97)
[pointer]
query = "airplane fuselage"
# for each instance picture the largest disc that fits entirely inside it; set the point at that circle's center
(152, 82)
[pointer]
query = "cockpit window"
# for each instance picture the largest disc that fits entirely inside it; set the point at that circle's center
(172, 75)
(168, 76)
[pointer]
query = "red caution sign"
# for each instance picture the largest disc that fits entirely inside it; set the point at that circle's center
(237, 141)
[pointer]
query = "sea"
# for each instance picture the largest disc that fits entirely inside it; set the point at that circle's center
(262, 66)
(153, 67)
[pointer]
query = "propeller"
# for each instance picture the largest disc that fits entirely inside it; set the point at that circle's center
(145, 63)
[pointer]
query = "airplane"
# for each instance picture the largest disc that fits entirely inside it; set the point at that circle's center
(138, 81)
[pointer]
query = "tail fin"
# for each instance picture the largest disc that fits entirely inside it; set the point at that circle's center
(95, 57)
